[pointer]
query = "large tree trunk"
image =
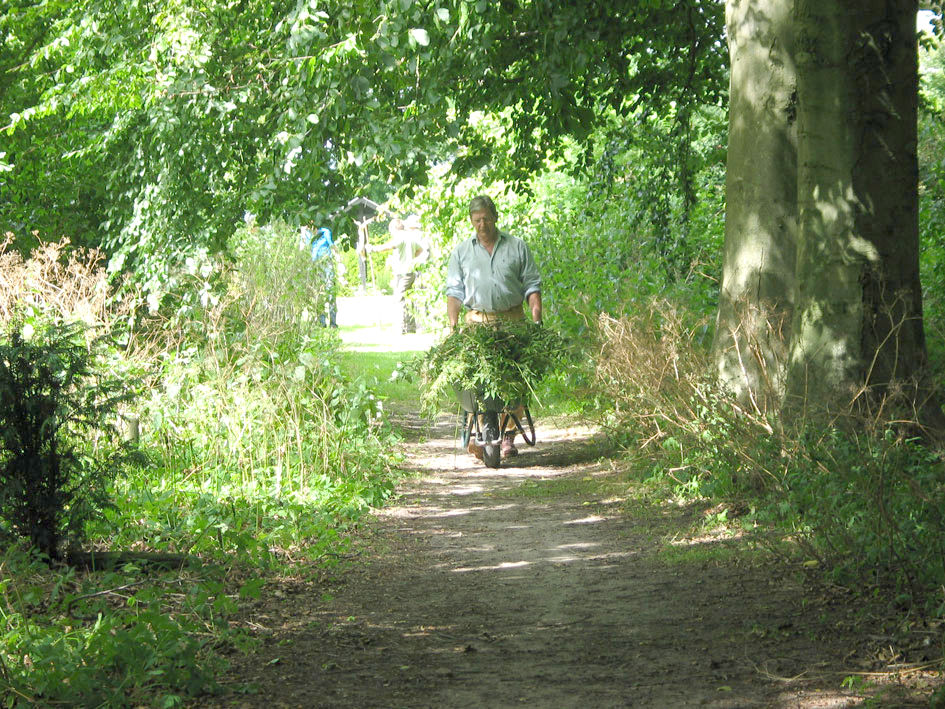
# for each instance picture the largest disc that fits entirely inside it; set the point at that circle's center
(858, 313)
(761, 201)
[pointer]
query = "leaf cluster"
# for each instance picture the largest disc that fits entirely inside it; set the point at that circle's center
(164, 124)
(133, 636)
(505, 362)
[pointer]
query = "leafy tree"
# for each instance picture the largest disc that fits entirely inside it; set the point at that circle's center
(182, 117)
(45, 173)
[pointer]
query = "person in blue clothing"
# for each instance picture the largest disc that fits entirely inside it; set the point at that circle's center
(323, 254)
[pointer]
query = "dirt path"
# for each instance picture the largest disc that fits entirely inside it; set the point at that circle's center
(536, 586)
(540, 585)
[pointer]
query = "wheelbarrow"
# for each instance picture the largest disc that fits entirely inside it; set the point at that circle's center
(484, 418)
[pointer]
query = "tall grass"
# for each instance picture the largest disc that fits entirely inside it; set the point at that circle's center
(851, 490)
(260, 454)
(248, 406)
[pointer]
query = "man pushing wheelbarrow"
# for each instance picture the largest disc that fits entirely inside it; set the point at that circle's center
(493, 276)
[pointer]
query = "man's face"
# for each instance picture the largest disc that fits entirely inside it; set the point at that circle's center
(483, 222)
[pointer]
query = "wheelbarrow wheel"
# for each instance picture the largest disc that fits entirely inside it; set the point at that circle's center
(492, 448)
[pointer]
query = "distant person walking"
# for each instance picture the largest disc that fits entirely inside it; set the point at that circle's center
(322, 248)
(409, 246)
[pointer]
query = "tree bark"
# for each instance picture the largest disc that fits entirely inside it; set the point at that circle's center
(757, 291)
(857, 323)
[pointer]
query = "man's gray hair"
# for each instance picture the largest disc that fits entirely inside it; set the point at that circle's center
(483, 202)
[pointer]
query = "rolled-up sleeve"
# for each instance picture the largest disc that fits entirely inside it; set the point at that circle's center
(455, 285)
(531, 280)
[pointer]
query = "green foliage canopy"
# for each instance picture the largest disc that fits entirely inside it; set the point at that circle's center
(151, 129)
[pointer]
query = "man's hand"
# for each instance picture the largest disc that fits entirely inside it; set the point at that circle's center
(453, 308)
(534, 304)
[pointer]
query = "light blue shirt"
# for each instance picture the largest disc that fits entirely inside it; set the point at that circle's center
(496, 282)
(321, 245)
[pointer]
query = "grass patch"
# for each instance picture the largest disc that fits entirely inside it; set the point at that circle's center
(715, 551)
(553, 403)
(377, 369)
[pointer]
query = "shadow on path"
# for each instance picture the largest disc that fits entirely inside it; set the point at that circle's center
(532, 586)
(540, 585)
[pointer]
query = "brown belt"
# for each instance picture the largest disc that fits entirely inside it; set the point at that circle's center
(481, 316)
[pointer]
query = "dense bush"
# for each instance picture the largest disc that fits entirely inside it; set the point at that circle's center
(247, 404)
(110, 639)
(259, 451)
(869, 505)
(59, 449)
(61, 388)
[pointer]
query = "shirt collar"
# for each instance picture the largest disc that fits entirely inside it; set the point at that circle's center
(475, 238)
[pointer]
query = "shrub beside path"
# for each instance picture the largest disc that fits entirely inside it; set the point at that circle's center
(555, 582)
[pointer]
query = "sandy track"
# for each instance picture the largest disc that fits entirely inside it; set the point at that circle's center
(536, 586)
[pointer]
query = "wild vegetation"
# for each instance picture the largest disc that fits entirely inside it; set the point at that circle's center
(255, 454)
(506, 363)
(156, 165)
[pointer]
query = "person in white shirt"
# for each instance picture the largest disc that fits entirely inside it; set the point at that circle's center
(493, 275)
(409, 247)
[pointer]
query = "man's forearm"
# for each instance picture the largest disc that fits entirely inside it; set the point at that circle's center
(453, 308)
(534, 304)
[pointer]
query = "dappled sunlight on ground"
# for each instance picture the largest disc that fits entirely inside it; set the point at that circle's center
(433, 512)
(549, 583)
(466, 489)
(442, 443)
(824, 700)
(713, 536)
(498, 567)
(587, 520)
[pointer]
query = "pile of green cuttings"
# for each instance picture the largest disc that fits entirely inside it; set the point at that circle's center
(506, 362)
